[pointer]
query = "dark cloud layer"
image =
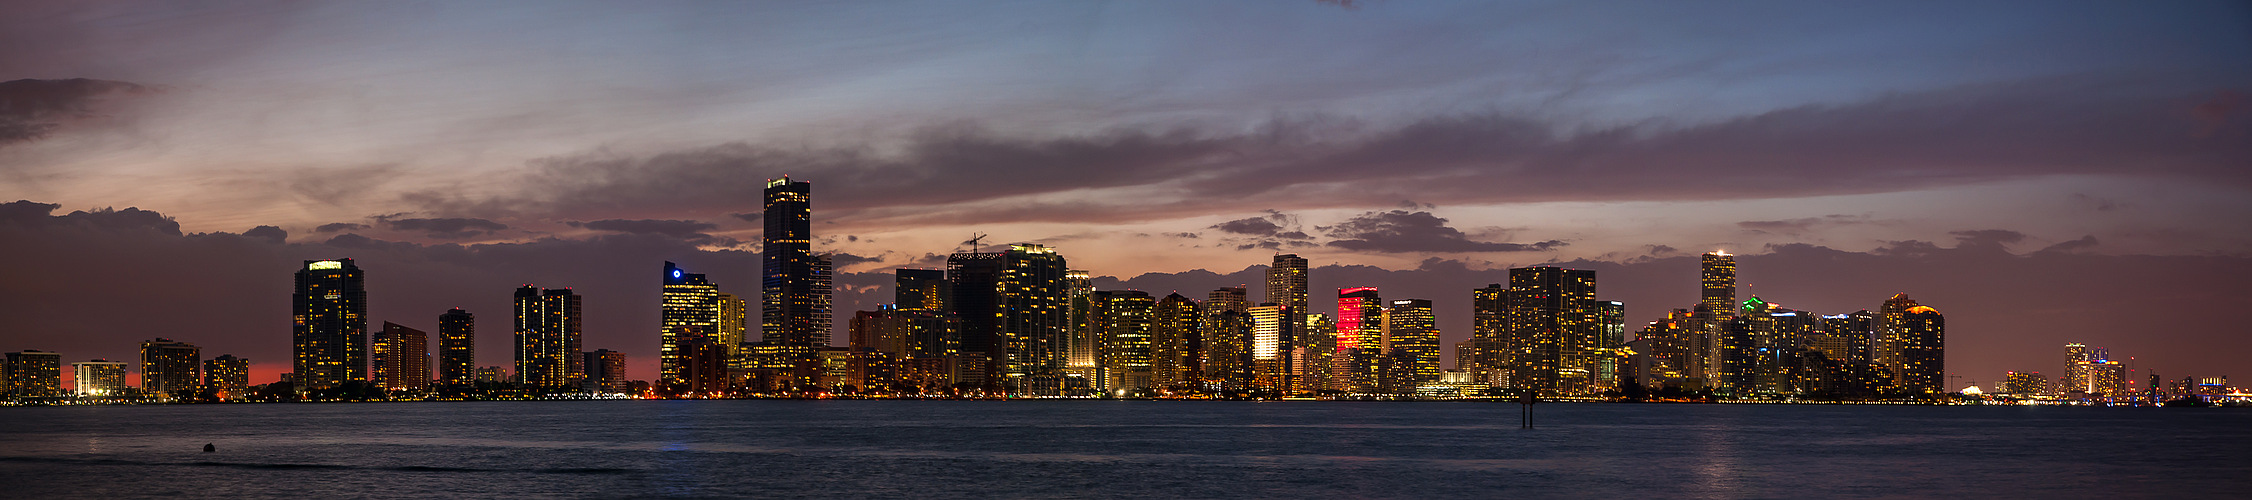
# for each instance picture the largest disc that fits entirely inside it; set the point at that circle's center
(1398, 231)
(2121, 126)
(686, 230)
(30, 109)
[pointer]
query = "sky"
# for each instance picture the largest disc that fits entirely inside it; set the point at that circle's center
(2042, 173)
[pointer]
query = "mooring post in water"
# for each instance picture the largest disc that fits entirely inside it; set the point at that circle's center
(1525, 402)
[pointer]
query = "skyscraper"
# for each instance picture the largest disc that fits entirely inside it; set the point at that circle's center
(1886, 349)
(168, 368)
(99, 378)
(1286, 285)
(402, 358)
(1125, 319)
(1411, 339)
(457, 347)
(1271, 332)
(1552, 320)
(1923, 356)
(1176, 341)
(794, 297)
(1227, 332)
(330, 340)
(691, 307)
(1360, 318)
(1084, 355)
(547, 337)
(35, 374)
(1720, 282)
(1489, 328)
(227, 376)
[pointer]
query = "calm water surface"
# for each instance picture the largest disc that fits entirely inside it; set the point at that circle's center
(1082, 449)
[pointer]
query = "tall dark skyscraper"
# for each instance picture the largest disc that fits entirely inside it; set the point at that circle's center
(1015, 309)
(457, 347)
(402, 358)
(547, 337)
(1552, 318)
(1923, 351)
(330, 338)
(1286, 286)
(168, 368)
(794, 296)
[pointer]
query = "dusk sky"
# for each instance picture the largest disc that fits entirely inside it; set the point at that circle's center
(2040, 172)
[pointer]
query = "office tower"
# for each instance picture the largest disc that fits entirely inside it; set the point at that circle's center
(547, 338)
(1923, 356)
(2025, 384)
(1227, 342)
(1720, 282)
(1014, 309)
(794, 297)
(402, 358)
(1411, 339)
(2075, 369)
(606, 369)
(227, 376)
(35, 374)
(1176, 342)
(1271, 331)
(99, 378)
(1125, 319)
(1286, 285)
(330, 340)
(1552, 334)
(691, 306)
(1084, 355)
(168, 368)
(457, 347)
(1313, 360)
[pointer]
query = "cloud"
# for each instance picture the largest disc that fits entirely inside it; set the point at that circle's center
(446, 227)
(30, 109)
(1403, 231)
(1255, 226)
(269, 233)
(1799, 226)
(131, 219)
(1994, 238)
(339, 226)
(2085, 242)
(683, 229)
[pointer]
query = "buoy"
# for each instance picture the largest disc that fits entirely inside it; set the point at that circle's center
(208, 448)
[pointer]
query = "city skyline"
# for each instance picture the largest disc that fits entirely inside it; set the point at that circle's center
(1843, 155)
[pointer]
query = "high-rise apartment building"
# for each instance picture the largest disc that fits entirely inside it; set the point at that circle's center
(402, 358)
(1176, 341)
(1411, 340)
(1227, 339)
(794, 296)
(1271, 339)
(1482, 355)
(547, 338)
(2025, 384)
(457, 347)
(1286, 285)
(1553, 329)
(169, 368)
(330, 339)
(1889, 341)
(99, 378)
(227, 376)
(691, 307)
(606, 369)
(1014, 307)
(35, 374)
(1083, 357)
(1923, 351)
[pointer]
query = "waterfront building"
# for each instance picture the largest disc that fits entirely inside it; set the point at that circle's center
(1923, 357)
(2025, 384)
(1014, 310)
(169, 368)
(1227, 343)
(35, 374)
(493, 374)
(1886, 347)
(402, 358)
(330, 339)
(606, 370)
(99, 378)
(1411, 339)
(1482, 356)
(1552, 329)
(1125, 318)
(1271, 333)
(1176, 342)
(1286, 286)
(1084, 359)
(794, 296)
(1719, 279)
(227, 376)
(547, 338)
(1314, 359)
(691, 306)
(1358, 354)
(457, 347)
